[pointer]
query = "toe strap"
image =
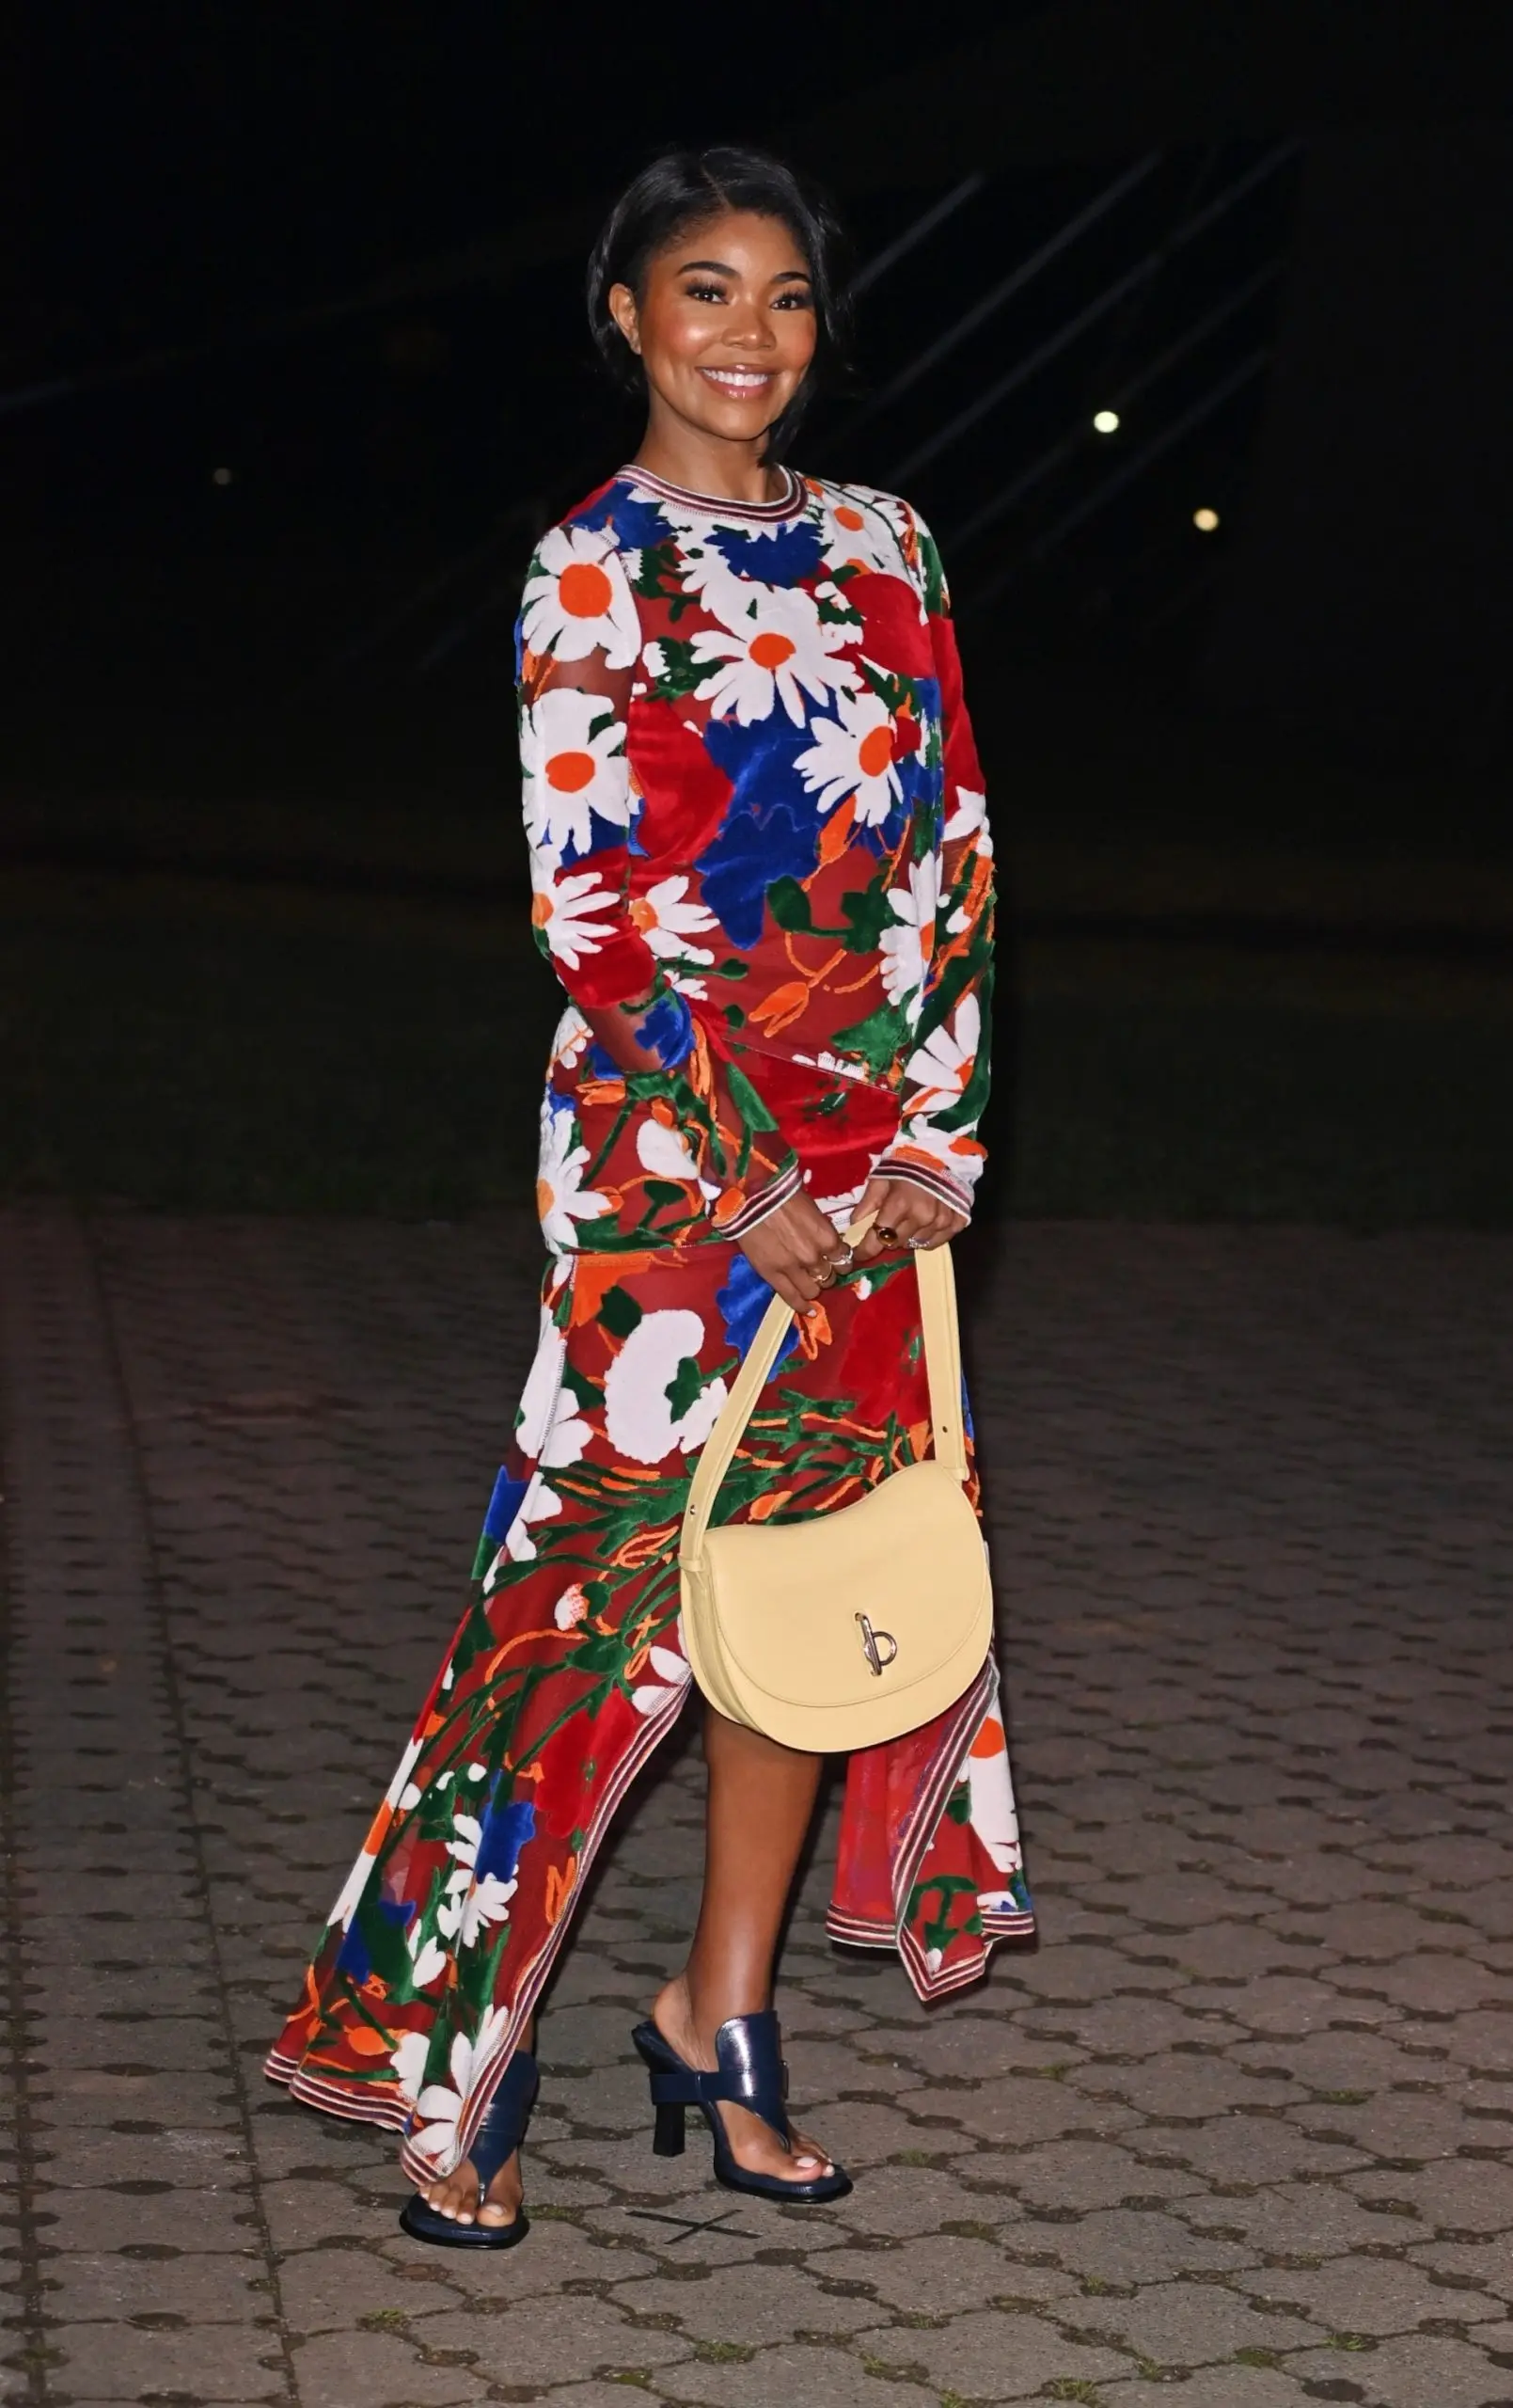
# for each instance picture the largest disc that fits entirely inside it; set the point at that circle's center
(751, 2071)
(505, 2119)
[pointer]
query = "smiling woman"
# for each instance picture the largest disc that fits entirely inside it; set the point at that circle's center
(756, 320)
(763, 873)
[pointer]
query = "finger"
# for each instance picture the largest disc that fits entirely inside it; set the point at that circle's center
(874, 1198)
(904, 1214)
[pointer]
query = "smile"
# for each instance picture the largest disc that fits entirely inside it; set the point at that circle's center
(741, 383)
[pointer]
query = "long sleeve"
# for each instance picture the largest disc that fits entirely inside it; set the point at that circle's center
(578, 645)
(946, 1073)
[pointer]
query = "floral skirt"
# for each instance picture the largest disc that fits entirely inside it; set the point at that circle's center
(568, 1671)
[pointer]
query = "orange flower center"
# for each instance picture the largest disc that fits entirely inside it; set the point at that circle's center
(570, 772)
(584, 590)
(642, 915)
(770, 650)
(544, 1199)
(875, 752)
(846, 516)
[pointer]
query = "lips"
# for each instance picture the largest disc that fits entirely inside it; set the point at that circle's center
(741, 384)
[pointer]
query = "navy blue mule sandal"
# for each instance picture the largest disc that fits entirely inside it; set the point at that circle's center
(496, 2141)
(751, 2074)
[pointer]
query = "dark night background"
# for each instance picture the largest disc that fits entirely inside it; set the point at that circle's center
(294, 371)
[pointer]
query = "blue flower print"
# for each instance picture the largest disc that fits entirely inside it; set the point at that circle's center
(506, 1829)
(746, 857)
(637, 524)
(667, 1030)
(774, 556)
(503, 1505)
(742, 1302)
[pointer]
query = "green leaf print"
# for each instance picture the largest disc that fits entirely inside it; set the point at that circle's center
(384, 1940)
(937, 599)
(833, 611)
(746, 1101)
(940, 1930)
(898, 693)
(789, 904)
(656, 574)
(878, 1039)
(679, 673)
(869, 912)
(620, 1312)
(959, 1803)
(684, 1388)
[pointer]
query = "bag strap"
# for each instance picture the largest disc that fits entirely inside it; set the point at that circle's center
(942, 1363)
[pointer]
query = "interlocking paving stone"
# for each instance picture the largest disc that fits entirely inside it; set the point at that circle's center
(1242, 2123)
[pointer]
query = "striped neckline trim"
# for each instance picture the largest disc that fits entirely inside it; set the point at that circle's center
(712, 506)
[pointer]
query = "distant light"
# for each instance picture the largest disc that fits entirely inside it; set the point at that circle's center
(1106, 422)
(222, 476)
(1205, 521)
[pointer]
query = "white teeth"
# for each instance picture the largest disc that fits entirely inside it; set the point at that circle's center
(740, 380)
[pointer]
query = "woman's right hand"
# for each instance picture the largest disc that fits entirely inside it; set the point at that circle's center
(793, 1250)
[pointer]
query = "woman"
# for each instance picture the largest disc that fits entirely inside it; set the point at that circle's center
(763, 873)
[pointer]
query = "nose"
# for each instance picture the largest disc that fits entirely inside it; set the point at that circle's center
(751, 326)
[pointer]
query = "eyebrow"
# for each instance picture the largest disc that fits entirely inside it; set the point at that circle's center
(722, 267)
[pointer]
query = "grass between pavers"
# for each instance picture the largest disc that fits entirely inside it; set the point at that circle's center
(196, 1045)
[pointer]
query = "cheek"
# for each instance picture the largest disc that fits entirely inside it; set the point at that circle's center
(677, 336)
(796, 339)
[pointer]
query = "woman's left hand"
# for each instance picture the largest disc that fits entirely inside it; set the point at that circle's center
(906, 1216)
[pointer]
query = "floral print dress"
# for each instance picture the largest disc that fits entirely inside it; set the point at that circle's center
(756, 818)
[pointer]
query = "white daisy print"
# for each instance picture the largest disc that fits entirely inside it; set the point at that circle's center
(573, 1035)
(642, 1382)
(539, 1504)
(409, 2061)
(852, 756)
(664, 1151)
(864, 540)
(547, 1425)
(969, 818)
(651, 1696)
(570, 909)
(571, 1607)
(776, 650)
(669, 922)
(440, 2104)
(907, 948)
(356, 1883)
(562, 1200)
(938, 1070)
(577, 600)
(573, 764)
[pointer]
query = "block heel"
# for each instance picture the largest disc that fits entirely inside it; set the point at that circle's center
(668, 2135)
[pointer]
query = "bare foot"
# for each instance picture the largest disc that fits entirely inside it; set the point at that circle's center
(754, 2145)
(456, 2195)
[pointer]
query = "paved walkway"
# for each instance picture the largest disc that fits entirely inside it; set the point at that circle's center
(1240, 2125)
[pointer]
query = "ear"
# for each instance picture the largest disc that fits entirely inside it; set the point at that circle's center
(621, 302)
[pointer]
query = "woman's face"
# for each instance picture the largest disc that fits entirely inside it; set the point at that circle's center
(725, 326)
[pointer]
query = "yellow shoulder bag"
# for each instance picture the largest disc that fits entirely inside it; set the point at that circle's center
(853, 1626)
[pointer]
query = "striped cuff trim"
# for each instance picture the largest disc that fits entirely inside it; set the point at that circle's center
(930, 1182)
(765, 1202)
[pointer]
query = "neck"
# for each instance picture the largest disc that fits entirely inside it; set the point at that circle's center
(702, 462)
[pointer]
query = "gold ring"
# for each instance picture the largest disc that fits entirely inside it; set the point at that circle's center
(831, 1276)
(884, 1234)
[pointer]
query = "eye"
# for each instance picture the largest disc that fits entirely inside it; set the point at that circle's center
(799, 298)
(705, 291)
